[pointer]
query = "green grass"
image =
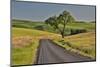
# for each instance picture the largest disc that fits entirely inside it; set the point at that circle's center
(32, 25)
(24, 49)
(24, 55)
(87, 26)
(25, 24)
(31, 32)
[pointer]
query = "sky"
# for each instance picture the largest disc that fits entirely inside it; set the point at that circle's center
(36, 11)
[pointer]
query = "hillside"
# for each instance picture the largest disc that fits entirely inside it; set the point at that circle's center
(83, 43)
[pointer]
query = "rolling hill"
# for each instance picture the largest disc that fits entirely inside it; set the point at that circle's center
(88, 26)
(83, 43)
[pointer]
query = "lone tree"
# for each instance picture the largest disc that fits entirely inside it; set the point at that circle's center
(59, 22)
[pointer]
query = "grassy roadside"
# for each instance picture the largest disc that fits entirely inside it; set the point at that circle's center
(83, 44)
(24, 46)
(24, 55)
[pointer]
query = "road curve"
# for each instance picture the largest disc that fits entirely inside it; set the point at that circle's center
(50, 53)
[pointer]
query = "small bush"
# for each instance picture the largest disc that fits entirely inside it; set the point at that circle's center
(19, 26)
(39, 27)
(76, 31)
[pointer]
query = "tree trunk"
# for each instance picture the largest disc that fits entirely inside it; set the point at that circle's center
(63, 31)
(62, 34)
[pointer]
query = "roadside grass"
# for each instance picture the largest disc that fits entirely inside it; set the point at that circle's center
(25, 43)
(24, 55)
(24, 47)
(83, 44)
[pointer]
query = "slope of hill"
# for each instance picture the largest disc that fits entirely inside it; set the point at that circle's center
(83, 43)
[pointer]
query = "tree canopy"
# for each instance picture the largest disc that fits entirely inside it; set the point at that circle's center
(59, 22)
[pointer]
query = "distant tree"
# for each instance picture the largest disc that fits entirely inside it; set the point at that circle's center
(93, 22)
(59, 22)
(39, 27)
